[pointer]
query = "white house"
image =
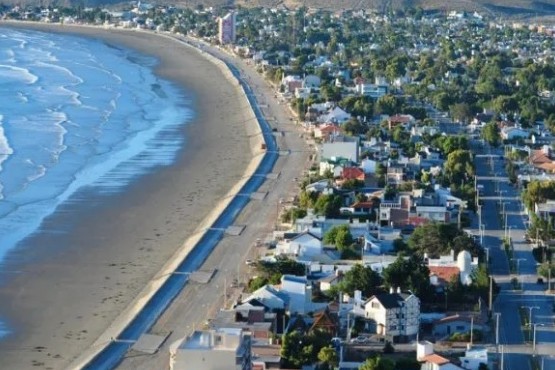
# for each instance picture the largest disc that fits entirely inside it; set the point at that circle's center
(445, 197)
(473, 357)
(513, 133)
(336, 115)
(372, 90)
(299, 292)
(312, 81)
(348, 150)
(396, 315)
(368, 165)
(222, 348)
(433, 213)
(269, 297)
(304, 245)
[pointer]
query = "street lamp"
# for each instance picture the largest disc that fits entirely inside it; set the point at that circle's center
(482, 229)
(518, 263)
(534, 341)
(530, 308)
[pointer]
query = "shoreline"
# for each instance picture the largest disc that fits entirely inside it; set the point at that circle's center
(253, 139)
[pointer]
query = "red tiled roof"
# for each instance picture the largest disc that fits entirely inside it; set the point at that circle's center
(367, 204)
(417, 221)
(400, 118)
(539, 157)
(444, 273)
(435, 359)
(352, 173)
(330, 128)
(550, 167)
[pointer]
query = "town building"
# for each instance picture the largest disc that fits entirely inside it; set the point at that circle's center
(226, 28)
(219, 349)
(396, 315)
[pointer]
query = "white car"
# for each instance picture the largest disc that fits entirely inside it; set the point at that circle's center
(360, 340)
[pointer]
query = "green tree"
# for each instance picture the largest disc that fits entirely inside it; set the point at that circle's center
(293, 214)
(328, 205)
(490, 133)
(295, 350)
(538, 192)
(437, 239)
(361, 278)
(387, 104)
(408, 274)
(257, 283)
(308, 199)
(480, 283)
(273, 271)
(461, 112)
(377, 363)
(543, 270)
(459, 166)
(340, 236)
(354, 127)
(328, 356)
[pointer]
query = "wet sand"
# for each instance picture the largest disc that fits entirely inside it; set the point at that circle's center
(93, 258)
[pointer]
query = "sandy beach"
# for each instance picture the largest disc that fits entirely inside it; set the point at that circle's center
(67, 284)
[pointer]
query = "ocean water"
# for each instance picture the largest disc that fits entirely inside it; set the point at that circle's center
(77, 113)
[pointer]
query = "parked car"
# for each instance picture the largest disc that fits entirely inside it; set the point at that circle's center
(360, 340)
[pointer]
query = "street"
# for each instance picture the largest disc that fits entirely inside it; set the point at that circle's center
(502, 216)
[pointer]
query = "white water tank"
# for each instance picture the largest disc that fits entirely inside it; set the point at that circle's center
(464, 261)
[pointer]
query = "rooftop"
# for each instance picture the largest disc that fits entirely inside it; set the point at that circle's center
(223, 339)
(435, 359)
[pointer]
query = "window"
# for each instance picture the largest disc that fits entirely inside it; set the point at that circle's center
(459, 328)
(375, 305)
(393, 327)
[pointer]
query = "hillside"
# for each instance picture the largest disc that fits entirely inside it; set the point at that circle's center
(501, 8)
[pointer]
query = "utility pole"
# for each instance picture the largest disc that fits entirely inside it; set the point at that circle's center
(490, 303)
(480, 213)
(549, 278)
(530, 308)
(471, 330)
(497, 314)
(502, 359)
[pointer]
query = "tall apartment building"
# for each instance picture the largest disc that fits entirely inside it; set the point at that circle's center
(226, 28)
(218, 349)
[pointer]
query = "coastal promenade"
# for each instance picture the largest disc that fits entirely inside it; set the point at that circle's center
(197, 303)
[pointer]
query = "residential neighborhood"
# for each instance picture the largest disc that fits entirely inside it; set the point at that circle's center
(428, 207)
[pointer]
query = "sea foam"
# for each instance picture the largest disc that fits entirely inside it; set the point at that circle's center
(81, 117)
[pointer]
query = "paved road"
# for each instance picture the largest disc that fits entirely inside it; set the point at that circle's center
(495, 193)
(199, 302)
